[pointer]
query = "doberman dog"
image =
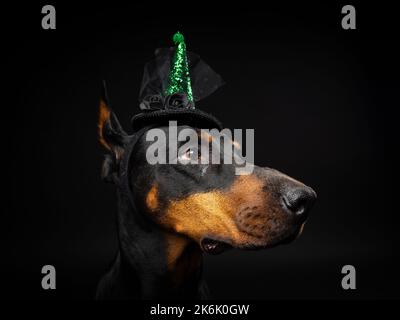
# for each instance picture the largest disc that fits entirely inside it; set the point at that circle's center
(181, 211)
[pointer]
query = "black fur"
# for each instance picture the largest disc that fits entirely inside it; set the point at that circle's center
(140, 268)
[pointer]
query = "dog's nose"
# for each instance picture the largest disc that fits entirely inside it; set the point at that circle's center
(299, 200)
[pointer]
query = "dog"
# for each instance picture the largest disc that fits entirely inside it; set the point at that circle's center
(169, 215)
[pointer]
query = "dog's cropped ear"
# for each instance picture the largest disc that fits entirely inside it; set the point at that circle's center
(111, 136)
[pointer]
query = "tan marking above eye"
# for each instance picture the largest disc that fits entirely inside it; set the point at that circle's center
(206, 136)
(152, 198)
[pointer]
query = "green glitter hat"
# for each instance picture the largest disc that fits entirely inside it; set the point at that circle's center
(179, 77)
(172, 83)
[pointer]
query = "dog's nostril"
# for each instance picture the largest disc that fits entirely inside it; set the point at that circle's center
(299, 200)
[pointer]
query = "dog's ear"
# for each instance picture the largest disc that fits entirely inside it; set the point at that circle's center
(111, 136)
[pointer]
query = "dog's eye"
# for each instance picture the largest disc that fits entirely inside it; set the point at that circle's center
(189, 155)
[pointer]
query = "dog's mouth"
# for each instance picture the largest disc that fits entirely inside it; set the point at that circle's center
(213, 246)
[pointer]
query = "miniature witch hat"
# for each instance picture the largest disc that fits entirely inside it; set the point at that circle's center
(179, 77)
(171, 85)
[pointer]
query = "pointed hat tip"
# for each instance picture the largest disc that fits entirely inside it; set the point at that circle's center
(178, 38)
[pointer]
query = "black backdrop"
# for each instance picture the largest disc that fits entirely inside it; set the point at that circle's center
(316, 95)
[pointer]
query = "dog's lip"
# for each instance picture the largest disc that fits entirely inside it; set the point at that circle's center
(293, 236)
(213, 246)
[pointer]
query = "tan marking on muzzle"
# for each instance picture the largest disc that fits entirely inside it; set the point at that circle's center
(214, 212)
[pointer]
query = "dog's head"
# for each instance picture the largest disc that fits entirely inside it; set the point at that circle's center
(208, 203)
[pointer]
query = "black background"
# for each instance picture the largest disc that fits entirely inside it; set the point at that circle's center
(317, 96)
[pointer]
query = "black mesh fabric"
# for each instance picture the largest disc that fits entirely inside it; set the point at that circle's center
(204, 82)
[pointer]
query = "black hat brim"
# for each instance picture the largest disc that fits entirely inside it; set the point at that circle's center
(192, 117)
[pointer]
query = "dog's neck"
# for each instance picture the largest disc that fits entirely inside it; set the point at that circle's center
(152, 263)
